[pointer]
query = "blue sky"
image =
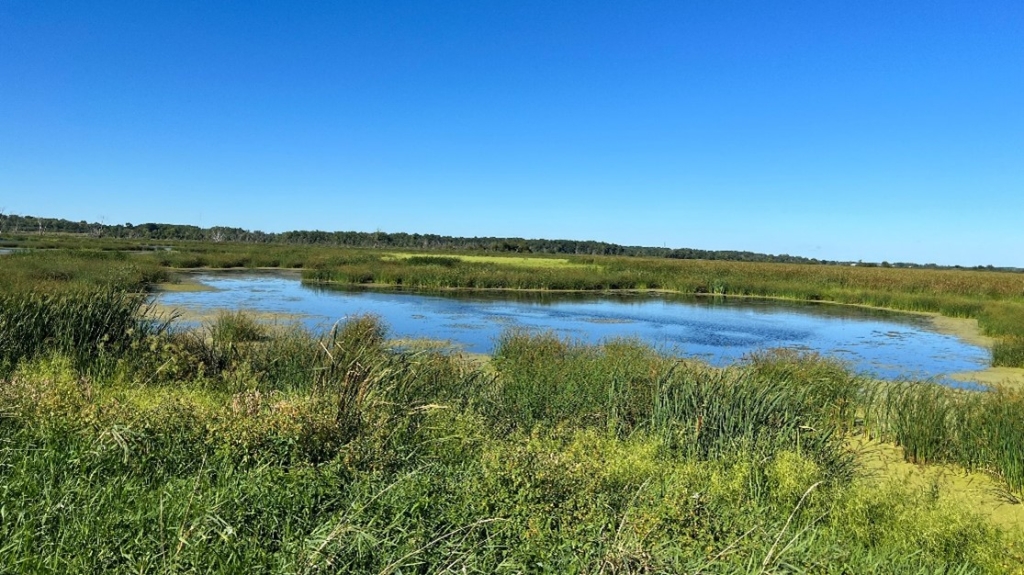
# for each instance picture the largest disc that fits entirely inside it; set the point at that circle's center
(837, 130)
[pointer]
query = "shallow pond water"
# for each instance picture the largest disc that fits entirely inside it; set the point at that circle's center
(719, 331)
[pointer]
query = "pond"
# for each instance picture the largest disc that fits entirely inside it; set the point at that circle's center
(720, 331)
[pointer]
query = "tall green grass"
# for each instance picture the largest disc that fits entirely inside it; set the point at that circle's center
(238, 447)
(381, 461)
(625, 387)
(1008, 351)
(83, 324)
(83, 305)
(237, 327)
(982, 431)
(41, 271)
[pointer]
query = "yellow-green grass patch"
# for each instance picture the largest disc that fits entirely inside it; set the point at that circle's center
(516, 261)
(204, 315)
(1010, 377)
(185, 285)
(881, 462)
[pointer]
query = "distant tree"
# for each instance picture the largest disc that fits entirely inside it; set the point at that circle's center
(157, 231)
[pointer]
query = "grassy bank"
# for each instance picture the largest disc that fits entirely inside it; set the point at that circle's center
(995, 299)
(348, 457)
(78, 304)
(246, 448)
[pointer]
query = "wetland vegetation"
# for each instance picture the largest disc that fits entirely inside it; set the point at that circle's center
(130, 445)
(719, 331)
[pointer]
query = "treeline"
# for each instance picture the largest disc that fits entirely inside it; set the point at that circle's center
(17, 224)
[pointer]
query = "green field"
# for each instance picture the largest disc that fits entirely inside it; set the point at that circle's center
(128, 446)
(523, 262)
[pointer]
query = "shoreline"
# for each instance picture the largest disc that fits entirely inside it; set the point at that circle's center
(965, 329)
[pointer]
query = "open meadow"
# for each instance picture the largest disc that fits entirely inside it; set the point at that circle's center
(243, 447)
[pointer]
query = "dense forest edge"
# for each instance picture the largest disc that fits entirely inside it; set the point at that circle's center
(18, 225)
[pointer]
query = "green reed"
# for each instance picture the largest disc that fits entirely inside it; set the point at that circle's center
(243, 447)
(978, 430)
(352, 457)
(237, 327)
(84, 323)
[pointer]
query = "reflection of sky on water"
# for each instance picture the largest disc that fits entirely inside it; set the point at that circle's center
(882, 343)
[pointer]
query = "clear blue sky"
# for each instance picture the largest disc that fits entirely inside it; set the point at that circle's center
(838, 130)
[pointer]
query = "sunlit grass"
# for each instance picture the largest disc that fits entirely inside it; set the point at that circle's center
(372, 460)
(241, 447)
(238, 447)
(515, 261)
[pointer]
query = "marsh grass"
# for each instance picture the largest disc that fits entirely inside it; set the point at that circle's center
(544, 379)
(82, 323)
(1008, 351)
(237, 327)
(82, 304)
(995, 299)
(444, 261)
(527, 262)
(979, 431)
(45, 271)
(357, 458)
(245, 448)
